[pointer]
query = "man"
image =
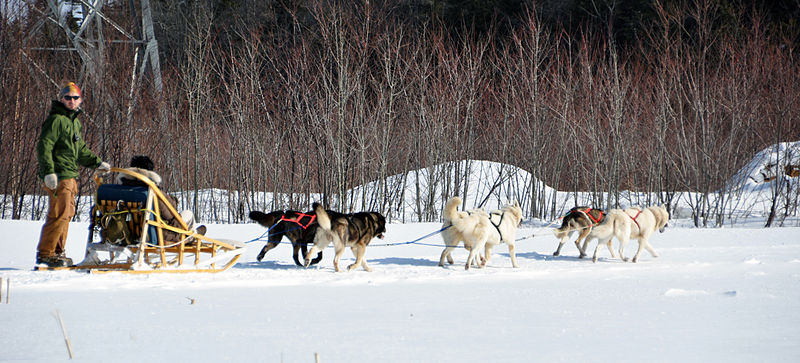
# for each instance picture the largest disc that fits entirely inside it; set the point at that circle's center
(60, 151)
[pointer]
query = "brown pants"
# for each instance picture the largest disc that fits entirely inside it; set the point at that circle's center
(61, 209)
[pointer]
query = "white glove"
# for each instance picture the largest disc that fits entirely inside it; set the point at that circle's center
(51, 181)
(104, 167)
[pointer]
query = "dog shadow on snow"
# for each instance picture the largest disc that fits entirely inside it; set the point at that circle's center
(544, 257)
(406, 261)
(403, 261)
(268, 265)
(274, 265)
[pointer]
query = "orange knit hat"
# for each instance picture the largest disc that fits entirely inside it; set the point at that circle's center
(68, 87)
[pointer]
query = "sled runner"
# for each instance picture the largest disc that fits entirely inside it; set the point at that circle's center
(127, 234)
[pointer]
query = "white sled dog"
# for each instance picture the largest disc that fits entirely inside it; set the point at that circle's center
(471, 227)
(632, 223)
(505, 221)
(662, 216)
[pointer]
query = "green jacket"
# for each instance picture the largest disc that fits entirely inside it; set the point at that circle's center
(61, 148)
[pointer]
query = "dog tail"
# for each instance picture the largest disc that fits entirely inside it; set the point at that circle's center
(262, 218)
(451, 208)
(322, 217)
(562, 231)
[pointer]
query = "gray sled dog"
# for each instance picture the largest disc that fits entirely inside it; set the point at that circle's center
(581, 220)
(470, 227)
(505, 221)
(346, 230)
(632, 223)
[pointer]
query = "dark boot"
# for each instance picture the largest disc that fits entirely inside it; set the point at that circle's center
(50, 261)
(67, 260)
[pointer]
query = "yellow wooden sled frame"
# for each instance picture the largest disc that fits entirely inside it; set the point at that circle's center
(193, 253)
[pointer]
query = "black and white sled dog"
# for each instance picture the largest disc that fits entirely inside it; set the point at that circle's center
(346, 230)
(581, 220)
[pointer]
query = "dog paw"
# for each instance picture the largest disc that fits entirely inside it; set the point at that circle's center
(627, 259)
(555, 253)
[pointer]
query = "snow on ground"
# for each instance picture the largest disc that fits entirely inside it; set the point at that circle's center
(720, 295)
(713, 295)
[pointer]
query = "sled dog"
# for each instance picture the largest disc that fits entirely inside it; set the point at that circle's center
(631, 223)
(662, 216)
(346, 230)
(581, 220)
(471, 227)
(505, 221)
(298, 227)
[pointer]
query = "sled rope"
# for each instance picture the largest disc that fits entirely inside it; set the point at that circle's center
(416, 241)
(547, 226)
(264, 237)
(265, 234)
(392, 244)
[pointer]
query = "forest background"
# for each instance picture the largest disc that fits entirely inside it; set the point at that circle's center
(306, 99)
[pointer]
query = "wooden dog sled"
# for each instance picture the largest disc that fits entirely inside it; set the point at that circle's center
(145, 250)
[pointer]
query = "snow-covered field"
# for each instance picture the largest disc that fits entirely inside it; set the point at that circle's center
(714, 295)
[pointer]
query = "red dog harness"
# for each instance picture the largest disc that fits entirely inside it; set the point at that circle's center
(300, 216)
(596, 221)
(634, 218)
